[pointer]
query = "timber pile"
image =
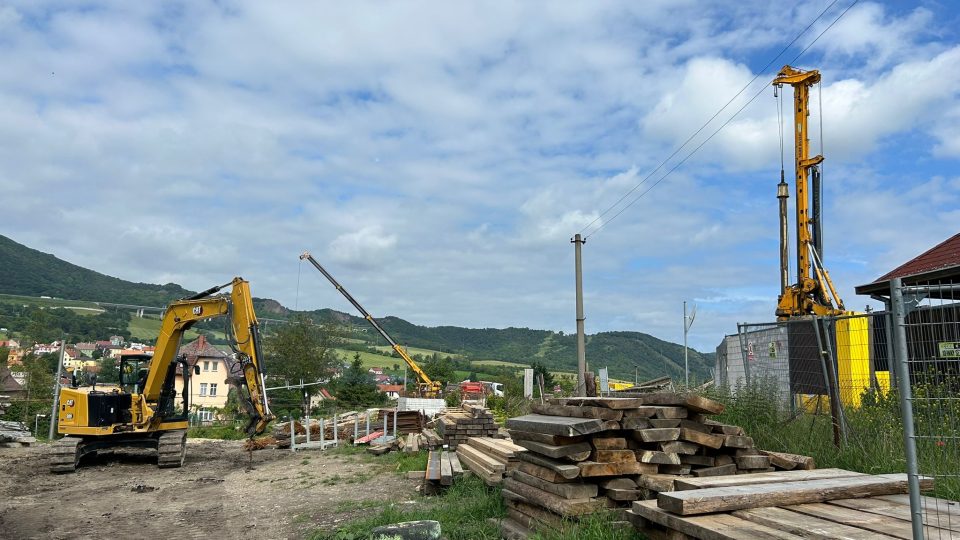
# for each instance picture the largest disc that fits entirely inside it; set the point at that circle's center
(407, 421)
(490, 458)
(442, 468)
(585, 454)
(413, 442)
(826, 503)
(15, 434)
(455, 426)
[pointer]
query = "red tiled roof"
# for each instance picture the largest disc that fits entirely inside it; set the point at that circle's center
(943, 255)
(390, 387)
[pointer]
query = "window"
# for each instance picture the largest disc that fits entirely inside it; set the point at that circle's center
(213, 389)
(215, 363)
(203, 389)
(206, 366)
(205, 415)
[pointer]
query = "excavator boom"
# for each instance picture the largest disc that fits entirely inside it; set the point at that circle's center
(428, 386)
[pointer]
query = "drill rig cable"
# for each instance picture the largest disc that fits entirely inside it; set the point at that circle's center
(716, 114)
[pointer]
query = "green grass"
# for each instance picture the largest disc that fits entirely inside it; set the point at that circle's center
(228, 433)
(416, 350)
(370, 360)
(498, 363)
(149, 328)
(462, 512)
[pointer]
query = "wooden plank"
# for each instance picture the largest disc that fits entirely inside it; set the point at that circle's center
(590, 469)
(680, 447)
(696, 426)
(737, 441)
(753, 462)
(567, 490)
(455, 466)
(618, 483)
(764, 478)
(894, 527)
(943, 507)
(657, 434)
(719, 470)
(789, 462)
(671, 412)
(511, 530)
(609, 443)
(689, 401)
(489, 462)
(623, 494)
(889, 508)
(558, 451)
(554, 503)
(446, 471)
(662, 458)
(674, 469)
(701, 438)
(433, 466)
(488, 476)
(542, 472)
(487, 446)
(543, 437)
(635, 423)
(725, 499)
(555, 425)
(665, 422)
(640, 412)
(702, 461)
(806, 526)
(657, 482)
(608, 402)
(601, 413)
(613, 456)
(565, 470)
(544, 517)
(712, 527)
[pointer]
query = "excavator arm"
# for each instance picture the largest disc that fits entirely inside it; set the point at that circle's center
(179, 317)
(428, 387)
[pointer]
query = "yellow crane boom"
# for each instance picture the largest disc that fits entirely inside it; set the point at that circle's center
(427, 386)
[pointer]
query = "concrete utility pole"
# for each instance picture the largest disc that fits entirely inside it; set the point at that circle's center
(56, 387)
(578, 242)
(687, 323)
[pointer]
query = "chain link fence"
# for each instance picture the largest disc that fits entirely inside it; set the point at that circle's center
(876, 392)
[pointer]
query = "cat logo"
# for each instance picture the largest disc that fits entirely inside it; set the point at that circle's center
(197, 310)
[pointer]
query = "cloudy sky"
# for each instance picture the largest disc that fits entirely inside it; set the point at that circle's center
(437, 157)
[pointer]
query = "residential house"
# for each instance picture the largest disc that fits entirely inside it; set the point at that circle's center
(86, 348)
(44, 348)
(14, 352)
(322, 395)
(391, 390)
(9, 386)
(208, 390)
(375, 371)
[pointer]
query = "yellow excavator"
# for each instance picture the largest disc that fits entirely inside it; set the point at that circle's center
(813, 293)
(143, 410)
(427, 387)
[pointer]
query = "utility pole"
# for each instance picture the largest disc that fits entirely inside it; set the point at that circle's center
(56, 387)
(578, 242)
(687, 323)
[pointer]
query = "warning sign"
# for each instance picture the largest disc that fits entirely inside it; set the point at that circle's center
(949, 349)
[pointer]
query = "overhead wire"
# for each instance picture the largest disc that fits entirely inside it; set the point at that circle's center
(677, 151)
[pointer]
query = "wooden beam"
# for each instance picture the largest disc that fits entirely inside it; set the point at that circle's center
(567, 490)
(544, 438)
(577, 412)
(554, 503)
(542, 472)
(764, 478)
(806, 526)
(789, 461)
(701, 438)
(565, 470)
(725, 499)
(657, 434)
(712, 527)
(571, 451)
(555, 425)
(446, 471)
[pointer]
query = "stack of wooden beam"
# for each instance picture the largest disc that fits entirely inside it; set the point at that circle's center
(407, 421)
(590, 453)
(825, 503)
(490, 458)
(15, 434)
(455, 426)
(442, 468)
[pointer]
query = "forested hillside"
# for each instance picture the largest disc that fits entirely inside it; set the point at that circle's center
(30, 272)
(25, 271)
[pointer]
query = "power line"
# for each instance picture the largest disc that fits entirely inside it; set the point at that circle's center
(712, 118)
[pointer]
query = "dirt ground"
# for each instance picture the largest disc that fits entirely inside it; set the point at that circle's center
(221, 492)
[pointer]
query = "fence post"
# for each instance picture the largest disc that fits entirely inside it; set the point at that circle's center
(356, 428)
(293, 435)
(834, 371)
(828, 381)
(899, 318)
(323, 435)
(336, 431)
(308, 428)
(394, 423)
(368, 421)
(743, 353)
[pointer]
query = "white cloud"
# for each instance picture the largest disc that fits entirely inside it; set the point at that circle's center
(365, 247)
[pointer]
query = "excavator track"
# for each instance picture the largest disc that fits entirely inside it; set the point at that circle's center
(171, 449)
(65, 454)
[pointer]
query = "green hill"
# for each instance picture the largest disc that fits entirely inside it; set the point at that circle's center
(25, 271)
(30, 272)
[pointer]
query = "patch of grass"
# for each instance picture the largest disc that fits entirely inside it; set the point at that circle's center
(228, 433)
(462, 512)
(593, 527)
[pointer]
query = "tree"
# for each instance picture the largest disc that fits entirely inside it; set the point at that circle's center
(538, 370)
(438, 369)
(301, 351)
(109, 372)
(357, 388)
(4, 354)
